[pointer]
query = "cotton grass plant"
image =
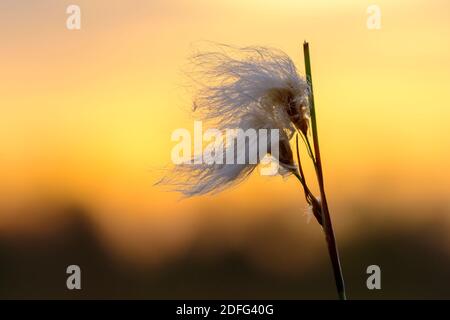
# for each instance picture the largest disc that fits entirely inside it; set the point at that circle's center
(257, 88)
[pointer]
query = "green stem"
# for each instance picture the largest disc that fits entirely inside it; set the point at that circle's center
(308, 145)
(326, 219)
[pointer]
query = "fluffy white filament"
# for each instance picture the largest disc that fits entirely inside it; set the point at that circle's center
(243, 88)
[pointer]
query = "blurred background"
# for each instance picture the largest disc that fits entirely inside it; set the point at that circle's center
(86, 118)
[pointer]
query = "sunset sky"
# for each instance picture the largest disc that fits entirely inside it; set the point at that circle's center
(86, 115)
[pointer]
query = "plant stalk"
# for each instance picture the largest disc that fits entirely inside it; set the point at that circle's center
(326, 219)
(308, 194)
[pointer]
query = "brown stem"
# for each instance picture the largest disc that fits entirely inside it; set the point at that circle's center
(310, 198)
(326, 219)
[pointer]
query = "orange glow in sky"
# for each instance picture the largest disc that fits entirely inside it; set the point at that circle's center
(87, 115)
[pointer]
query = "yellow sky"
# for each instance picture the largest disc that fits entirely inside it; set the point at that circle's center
(88, 114)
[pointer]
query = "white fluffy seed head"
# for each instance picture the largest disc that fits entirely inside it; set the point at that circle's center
(250, 87)
(230, 82)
